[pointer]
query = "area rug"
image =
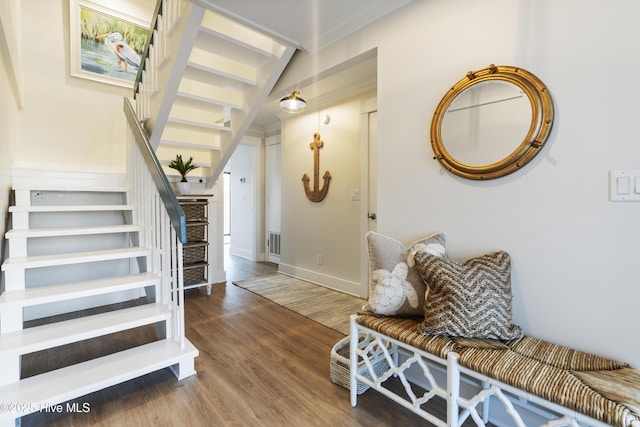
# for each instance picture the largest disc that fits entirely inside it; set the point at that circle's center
(327, 307)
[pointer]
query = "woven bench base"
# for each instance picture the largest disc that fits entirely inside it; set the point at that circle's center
(580, 388)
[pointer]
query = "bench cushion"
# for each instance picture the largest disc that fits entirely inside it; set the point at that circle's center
(406, 330)
(601, 388)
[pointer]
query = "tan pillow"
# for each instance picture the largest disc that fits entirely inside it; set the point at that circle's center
(470, 299)
(395, 287)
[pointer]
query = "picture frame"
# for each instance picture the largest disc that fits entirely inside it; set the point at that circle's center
(105, 45)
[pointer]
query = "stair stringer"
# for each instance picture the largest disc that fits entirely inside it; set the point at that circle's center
(169, 75)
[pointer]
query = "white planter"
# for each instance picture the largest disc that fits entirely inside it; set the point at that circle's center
(184, 187)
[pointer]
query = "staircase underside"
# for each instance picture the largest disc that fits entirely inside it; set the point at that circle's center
(214, 82)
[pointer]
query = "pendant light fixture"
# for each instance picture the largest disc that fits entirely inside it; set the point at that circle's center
(292, 103)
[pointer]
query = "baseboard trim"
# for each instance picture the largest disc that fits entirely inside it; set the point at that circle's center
(242, 253)
(331, 282)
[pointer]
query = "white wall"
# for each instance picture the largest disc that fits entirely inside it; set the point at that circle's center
(67, 123)
(10, 41)
(574, 253)
(330, 228)
(7, 136)
(9, 66)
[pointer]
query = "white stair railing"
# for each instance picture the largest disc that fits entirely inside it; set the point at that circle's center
(157, 208)
(166, 16)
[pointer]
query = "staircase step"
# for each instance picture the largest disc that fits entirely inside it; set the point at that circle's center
(85, 186)
(60, 333)
(197, 102)
(203, 137)
(189, 145)
(222, 66)
(70, 208)
(65, 384)
(200, 125)
(214, 77)
(73, 231)
(205, 93)
(240, 38)
(233, 48)
(73, 258)
(47, 294)
(181, 111)
(195, 81)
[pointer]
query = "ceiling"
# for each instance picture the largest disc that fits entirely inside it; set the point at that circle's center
(306, 24)
(311, 25)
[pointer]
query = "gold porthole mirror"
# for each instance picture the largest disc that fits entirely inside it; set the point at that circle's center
(492, 122)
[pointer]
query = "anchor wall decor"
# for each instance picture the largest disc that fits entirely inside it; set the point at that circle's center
(317, 194)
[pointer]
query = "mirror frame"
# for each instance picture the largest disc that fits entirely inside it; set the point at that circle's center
(541, 122)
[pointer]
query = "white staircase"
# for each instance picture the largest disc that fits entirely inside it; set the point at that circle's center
(65, 261)
(204, 80)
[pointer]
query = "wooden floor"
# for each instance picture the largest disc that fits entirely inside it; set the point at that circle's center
(260, 365)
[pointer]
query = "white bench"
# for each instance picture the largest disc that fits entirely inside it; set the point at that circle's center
(526, 376)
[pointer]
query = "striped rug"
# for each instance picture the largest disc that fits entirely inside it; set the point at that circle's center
(327, 307)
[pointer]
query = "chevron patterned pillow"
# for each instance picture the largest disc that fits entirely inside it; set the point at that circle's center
(470, 299)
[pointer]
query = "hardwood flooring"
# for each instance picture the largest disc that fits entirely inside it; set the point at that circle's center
(260, 365)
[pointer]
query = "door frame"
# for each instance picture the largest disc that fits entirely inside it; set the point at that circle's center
(270, 172)
(367, 107)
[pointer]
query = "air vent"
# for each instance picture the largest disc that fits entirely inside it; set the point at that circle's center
(274, 243)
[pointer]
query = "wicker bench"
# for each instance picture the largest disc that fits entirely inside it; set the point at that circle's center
(568, 387)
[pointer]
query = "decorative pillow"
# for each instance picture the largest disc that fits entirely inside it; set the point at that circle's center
(470, 299)
(395, 287)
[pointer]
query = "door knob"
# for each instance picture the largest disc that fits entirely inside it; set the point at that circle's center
(372, 216)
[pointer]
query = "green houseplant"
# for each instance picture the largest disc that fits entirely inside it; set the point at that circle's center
(183, 169)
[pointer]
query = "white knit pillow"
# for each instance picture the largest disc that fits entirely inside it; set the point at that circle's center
(395, 287)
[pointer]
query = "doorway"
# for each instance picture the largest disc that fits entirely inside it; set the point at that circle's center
(227, 207)
(273, 197)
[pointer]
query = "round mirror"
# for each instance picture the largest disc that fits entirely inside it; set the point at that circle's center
(491, 123)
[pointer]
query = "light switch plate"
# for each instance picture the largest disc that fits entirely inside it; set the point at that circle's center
(624, 185)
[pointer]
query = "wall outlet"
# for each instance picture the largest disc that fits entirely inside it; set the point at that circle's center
(319, 259)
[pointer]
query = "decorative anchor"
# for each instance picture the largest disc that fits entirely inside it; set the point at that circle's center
(316, 195)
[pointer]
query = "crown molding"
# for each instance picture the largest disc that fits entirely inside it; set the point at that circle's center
(348, 25)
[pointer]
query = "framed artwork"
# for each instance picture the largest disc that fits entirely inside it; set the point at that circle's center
(105, 45)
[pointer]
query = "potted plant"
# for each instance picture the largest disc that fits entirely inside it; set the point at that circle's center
(183, 169)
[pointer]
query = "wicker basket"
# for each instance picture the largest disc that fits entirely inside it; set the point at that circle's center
(340, 366)
(195, 274)
(194, 253)
(195, 211)
(196, 231)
